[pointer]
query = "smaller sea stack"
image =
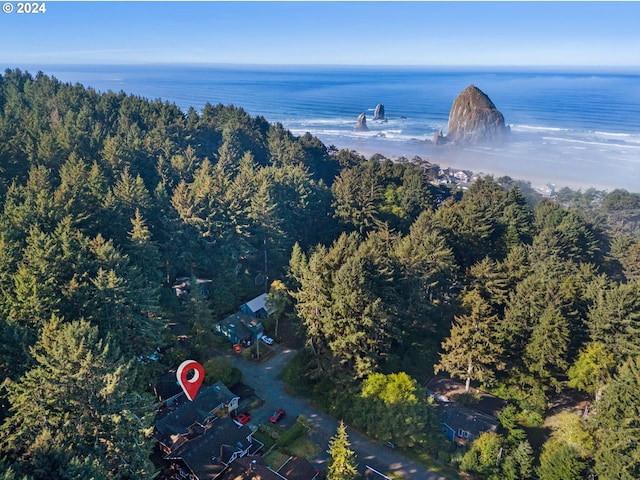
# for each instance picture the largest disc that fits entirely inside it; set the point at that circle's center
(378, 114)
(361, 123)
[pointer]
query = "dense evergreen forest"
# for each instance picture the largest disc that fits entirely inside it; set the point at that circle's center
(107, 198)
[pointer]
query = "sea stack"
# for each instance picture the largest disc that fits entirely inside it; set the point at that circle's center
(361, 124)
(438, 138)
(475, 119)
(378, 114)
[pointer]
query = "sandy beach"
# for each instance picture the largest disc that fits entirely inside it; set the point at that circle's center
(605, 169)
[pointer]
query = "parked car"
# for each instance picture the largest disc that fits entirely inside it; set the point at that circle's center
(243, 418)
(267, 340)
(237, 348)
(277, 416)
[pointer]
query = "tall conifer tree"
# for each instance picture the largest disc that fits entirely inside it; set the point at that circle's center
(471, 352)
(342, 465)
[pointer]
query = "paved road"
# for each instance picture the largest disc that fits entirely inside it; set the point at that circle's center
(262, 378)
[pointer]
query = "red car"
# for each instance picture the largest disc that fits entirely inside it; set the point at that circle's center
(243, 418)
(277, 416)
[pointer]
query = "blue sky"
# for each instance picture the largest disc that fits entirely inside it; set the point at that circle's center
(351, 33)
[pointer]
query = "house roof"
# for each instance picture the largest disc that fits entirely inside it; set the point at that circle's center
(240, 321)
(183, 282)
(182, 285)
(250, 468)
(167, 386)
(179, 419)
(208, 454)
(259, 303)
(445, 388)
(458, 417)
(298, 468)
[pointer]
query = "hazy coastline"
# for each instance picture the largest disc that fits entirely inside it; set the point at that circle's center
(578, 128)
(518, 160)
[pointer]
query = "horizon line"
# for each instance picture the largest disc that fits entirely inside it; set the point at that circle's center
(635, 68)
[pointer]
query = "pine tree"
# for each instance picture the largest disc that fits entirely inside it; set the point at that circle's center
(36, 285)
(592, 369)
(83, 398)
(614, 318)
(489, 279)
(545, 295)
(518, 463)
(472, 351)
(474, 226)
(518, 218)
(342, 465)
(617, 426)
(560, 461)
(144, 262)
(121, 302)
(546, 352)
(263, 213)
(357, 192)
(14, 348)
(359, 327)
(278, 300)
(484, 456)
(312, 299)
(388, 404)
(8, 472)
(427, 264)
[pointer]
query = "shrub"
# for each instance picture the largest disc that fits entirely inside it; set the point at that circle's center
(221, 369)
(271, 430)
(296, 431)
(247, 353)
(175, 355)
(302, 420)
(530, 418)
(294, 377)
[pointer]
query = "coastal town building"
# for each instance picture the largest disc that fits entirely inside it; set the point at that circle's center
(201, 441)
(180, 420)
(239, 328)
(209, 450)
(258, 307)
(245, 326)
(460, 423)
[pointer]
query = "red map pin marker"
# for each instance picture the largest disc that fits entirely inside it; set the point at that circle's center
(190, 386)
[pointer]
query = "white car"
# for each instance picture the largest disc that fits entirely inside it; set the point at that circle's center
(267, 340)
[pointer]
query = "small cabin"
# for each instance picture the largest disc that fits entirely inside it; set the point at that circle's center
(258, 307)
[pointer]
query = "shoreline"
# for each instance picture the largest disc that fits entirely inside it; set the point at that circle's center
(533, 164)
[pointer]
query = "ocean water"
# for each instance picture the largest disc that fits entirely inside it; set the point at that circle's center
(576, 128)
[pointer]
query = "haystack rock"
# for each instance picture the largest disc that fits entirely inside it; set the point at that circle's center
(378, 114)
(361, 124)
(475, 119)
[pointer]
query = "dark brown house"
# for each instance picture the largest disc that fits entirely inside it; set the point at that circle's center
(210, 450)
(182, 419)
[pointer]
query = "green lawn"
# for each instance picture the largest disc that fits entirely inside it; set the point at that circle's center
(303, 447)
(294, 442)
(275, 459)
(264, 438)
